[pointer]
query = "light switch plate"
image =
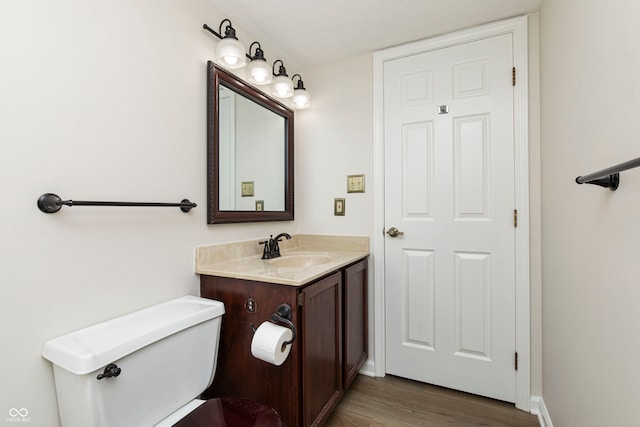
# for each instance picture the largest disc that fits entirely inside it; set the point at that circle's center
(338, 207)
(355, 183)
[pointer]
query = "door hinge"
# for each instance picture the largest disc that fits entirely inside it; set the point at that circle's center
(515, 217)
(516, 360)
(513, 76)
(300, 299)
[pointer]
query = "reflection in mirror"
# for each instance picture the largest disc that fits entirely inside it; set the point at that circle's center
(250, 153)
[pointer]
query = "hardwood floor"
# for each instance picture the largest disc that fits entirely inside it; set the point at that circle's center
(398, 402)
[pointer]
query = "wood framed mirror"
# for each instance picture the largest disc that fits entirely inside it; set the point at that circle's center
(249, 152)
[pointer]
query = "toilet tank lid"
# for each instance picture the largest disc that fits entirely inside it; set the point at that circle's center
(91, 348)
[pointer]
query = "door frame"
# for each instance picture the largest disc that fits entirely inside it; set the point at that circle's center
(518, 28)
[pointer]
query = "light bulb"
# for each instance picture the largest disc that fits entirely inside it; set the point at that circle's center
(282, 87)
(231, 53)
(259, 72)
(301, 99)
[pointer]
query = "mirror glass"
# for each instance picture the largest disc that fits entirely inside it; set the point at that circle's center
(250, 153)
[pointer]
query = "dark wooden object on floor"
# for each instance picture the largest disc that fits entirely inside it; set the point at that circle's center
(398, 402)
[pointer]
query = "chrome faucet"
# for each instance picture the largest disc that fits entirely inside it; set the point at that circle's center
(271, 247)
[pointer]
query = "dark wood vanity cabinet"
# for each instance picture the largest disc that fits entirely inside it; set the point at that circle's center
(330, 348)
(321, 341)
(355, 324)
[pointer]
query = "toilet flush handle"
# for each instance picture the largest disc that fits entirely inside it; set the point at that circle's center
(111, 370)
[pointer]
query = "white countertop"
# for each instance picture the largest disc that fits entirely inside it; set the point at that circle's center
(242, 260)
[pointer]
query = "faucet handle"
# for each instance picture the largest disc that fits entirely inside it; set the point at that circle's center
(266, 250)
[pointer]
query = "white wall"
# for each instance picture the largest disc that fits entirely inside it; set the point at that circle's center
(335, 139)
(99, 100)
(590, 99)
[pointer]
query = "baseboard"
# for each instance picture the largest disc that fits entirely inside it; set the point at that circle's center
(539, 409)
(368, 368)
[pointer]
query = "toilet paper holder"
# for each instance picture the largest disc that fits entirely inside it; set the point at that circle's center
(283, 315)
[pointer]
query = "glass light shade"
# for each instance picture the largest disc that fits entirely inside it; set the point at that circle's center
(282, 87)
(230, 53)
(259, 72)
(301, 99)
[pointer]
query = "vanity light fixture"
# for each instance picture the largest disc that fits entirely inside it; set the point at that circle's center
(258, 70)
(282, 86)
(229, 52)
(231, 55)
(301, 98)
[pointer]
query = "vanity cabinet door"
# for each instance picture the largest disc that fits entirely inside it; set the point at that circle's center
(321, 348)
(355, 320)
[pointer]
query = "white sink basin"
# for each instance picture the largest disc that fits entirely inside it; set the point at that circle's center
(306, 259)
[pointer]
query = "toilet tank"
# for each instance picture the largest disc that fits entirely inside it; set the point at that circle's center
(166, 355)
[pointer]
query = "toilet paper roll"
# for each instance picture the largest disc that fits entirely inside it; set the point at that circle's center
(268, 343)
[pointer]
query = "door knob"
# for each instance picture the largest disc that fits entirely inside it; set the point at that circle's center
(394, 232)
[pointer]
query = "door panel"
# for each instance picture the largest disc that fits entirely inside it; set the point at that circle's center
(449, 186)
(471, 167)
(321, 338)
(473, 305)
(354, 308)
(419, 308)
(417, 165)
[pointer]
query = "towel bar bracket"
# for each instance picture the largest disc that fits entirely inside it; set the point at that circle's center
(49, 203)
(609, 177)
(611, 182)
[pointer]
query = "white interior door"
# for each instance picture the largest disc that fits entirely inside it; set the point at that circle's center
(449, 187)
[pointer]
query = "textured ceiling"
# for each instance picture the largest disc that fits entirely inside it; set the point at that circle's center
(310, 32)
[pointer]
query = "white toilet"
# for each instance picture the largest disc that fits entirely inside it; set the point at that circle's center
(144, 369)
